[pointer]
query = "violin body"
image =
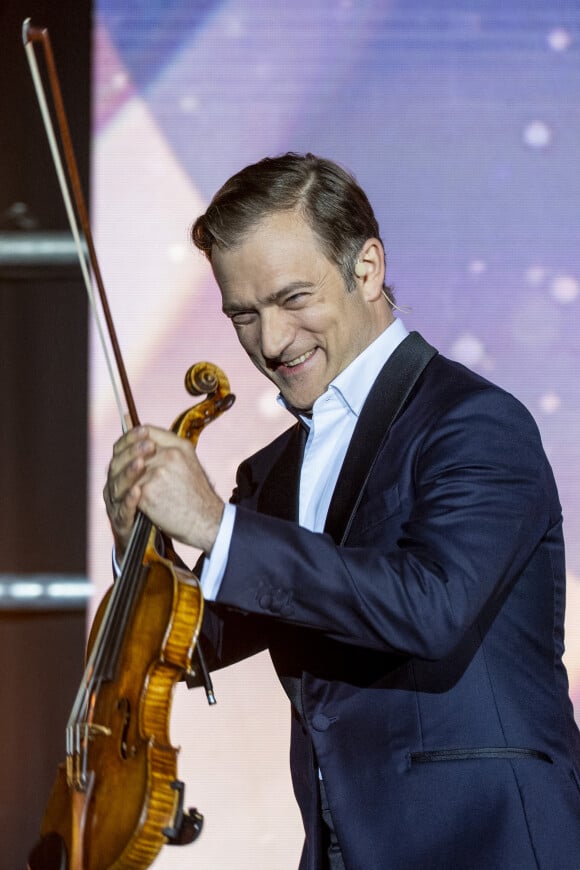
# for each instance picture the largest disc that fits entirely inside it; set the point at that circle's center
(132, 805)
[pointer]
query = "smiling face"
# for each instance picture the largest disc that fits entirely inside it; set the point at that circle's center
(291, 310)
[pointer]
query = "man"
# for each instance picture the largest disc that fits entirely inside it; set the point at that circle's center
(405, 566)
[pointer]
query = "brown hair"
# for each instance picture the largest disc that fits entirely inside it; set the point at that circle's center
(335, 207)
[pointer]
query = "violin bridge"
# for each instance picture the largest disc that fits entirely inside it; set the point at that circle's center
(93, 731)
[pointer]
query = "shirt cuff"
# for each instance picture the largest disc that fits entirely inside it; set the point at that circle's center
(214, 566)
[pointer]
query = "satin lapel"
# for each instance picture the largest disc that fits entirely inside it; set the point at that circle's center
(383, 404)
(279, 494)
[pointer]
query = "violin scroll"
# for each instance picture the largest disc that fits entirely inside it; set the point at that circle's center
(200, 378)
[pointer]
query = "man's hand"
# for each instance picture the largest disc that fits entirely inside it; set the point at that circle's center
(154, 471)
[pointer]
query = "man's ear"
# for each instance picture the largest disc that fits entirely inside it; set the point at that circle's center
(370, 269)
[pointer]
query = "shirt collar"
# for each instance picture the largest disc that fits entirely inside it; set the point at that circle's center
(354, 383)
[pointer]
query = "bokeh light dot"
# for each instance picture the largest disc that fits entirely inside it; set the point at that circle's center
(564, 289)
(468, 349)
(550, 402)
(535, 275)
(119, 81)
(537, 134)
(559, 39)
(188, 103)
(477, 267)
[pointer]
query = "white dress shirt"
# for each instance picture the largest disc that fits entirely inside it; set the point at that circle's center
(334, 417)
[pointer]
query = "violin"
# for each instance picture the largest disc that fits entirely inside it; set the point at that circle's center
(117, 799)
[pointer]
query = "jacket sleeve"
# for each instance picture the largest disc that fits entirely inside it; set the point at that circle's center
(477, 499)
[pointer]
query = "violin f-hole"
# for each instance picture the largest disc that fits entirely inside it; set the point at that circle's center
(124, 707)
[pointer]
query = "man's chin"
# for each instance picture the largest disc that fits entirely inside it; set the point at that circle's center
(299, 403)
(299, 392)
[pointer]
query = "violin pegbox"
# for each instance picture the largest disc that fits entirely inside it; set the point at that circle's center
(203, 378)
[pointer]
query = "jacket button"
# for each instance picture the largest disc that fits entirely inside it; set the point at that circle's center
(320, 722)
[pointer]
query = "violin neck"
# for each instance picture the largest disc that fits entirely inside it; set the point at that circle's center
(124, 595)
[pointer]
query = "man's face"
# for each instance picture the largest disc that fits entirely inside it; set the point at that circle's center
(291, 310)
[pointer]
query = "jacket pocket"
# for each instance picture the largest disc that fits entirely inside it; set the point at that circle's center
(478, 753)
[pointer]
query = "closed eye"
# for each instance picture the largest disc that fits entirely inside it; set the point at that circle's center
(296, 300)
(293, 297)
(242, 318)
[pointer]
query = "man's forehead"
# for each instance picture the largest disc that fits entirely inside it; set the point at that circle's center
(276, 243)
(280, 224)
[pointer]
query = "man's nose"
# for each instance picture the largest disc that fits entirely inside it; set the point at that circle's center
(276, 332)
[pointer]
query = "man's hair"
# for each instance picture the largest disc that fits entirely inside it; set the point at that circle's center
(325, 195)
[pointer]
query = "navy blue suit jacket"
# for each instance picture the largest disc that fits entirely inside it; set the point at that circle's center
(421, 637)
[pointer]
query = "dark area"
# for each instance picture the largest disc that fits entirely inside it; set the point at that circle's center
(43, 411)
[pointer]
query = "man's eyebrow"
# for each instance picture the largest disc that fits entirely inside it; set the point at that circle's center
(275, 297)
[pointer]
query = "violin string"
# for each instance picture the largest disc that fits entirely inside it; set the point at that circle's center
(129, 584)
(73, 223)
(101, 658)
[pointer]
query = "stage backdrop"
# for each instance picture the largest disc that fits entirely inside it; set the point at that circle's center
(461, 120)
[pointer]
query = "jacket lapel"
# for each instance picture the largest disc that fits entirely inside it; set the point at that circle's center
(280, 491)
(382, 406)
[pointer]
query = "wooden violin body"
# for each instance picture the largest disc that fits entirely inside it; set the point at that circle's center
(131, 802)
(117, 799)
